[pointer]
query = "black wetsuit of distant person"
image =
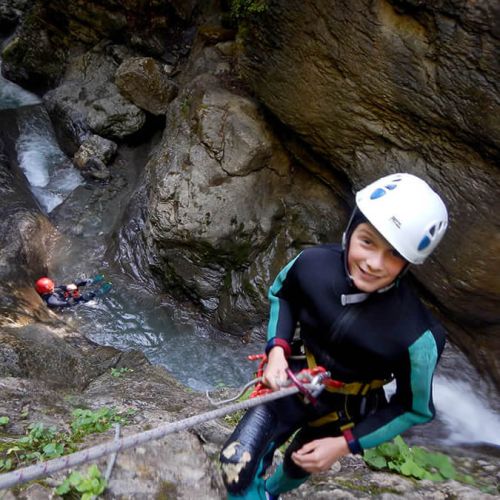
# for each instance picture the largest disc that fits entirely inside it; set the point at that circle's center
(64, 296)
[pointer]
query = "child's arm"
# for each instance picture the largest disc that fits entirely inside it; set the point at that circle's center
(282, 315)
(319, 455)
(275, 371)
(55, 301)
(412, 403)
(281, 327)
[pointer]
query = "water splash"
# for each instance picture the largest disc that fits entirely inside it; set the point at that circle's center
(468, 417)
(49, 171)
(13, 96)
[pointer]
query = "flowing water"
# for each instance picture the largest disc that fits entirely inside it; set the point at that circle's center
(133, 317)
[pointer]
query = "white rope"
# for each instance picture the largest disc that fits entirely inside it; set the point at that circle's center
(10, 479)
(112, 458)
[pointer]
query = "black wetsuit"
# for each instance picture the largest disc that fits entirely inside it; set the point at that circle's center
(388, 335)
(61, 297)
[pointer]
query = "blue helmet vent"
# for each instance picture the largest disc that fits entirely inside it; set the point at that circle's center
(378, 193)
(424, 243)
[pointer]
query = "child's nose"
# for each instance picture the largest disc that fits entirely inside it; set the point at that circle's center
(376, 261)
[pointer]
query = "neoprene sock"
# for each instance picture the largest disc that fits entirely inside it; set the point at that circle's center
(256, 491)
(279, 482)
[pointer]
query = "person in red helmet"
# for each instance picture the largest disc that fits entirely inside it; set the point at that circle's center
(63, 296)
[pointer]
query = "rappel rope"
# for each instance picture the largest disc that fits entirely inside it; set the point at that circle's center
(36, 471)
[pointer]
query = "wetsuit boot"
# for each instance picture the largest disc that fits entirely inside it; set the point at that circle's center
(256, 491)
(280, 482)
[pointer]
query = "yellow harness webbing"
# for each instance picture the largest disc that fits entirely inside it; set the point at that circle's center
(349, 388)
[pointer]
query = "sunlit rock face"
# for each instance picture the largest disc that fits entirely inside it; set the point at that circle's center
(387, 86)
(25, 235)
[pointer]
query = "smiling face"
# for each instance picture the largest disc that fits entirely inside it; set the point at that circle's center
(372, 262)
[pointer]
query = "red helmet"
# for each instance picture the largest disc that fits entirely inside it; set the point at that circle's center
(44, 285)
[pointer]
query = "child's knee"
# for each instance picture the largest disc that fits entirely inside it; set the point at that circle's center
(237, 466)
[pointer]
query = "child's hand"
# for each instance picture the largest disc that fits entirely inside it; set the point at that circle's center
(319, 455)
(275, 372)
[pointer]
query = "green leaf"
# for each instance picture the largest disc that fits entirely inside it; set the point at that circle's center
(75, 478)
(4, 420)
(410, 468)
(390, 450)
(6, 464)
(63, 488)
(94, 471)
(374, 458)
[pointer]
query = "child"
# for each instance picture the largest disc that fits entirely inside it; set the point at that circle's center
(359, 319)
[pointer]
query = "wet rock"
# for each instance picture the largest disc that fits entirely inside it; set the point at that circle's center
(143, 82)
(88, 102)
(30, 346)
(10, 13)
(94, 168)
(93, 156)
(24, 239)
(115, 117)
(35, 56)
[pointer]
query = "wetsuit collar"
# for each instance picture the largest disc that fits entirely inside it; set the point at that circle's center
(356, 298)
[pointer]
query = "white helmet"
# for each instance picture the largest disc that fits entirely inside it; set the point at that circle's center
(406, 212)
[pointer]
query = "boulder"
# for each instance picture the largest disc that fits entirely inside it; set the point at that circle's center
(143, 82)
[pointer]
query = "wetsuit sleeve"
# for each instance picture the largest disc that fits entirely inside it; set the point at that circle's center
(282, 314)
(412, 403)
(53, 300)
(85, 297)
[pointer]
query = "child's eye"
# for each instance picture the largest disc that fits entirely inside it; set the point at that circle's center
(366, 241)
(395, 253)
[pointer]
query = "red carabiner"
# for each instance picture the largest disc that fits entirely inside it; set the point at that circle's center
(260, 389)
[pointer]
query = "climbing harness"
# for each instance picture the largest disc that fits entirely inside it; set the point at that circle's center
(314, 378)
(348, 388)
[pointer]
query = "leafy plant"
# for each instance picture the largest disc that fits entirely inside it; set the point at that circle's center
(86, 486)
(88, 421)
(241, 9)
(4, 420)
(118, 372)
(415, 462)
(42, 442)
